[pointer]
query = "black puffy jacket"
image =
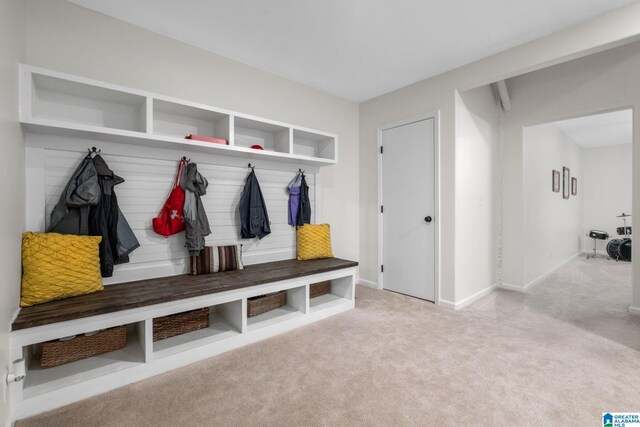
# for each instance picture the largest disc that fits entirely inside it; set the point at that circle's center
(118, 240)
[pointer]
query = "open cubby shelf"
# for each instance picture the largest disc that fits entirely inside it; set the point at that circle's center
(219, 329)
(179, 120)
(225, 321)
(62, 104)
(313, 145)
(324, 301)
(40, 381)
(296, 306)
(229, 328)
(271, 317)
(340, 292)
(70, 102)
(271, 137)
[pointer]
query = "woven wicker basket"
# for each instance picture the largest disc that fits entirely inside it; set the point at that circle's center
(56, 353)
(263, 303)
(180, 323)
(320, 288)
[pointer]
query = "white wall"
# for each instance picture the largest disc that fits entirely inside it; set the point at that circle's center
(552, 225)
(601, 82)
(65, 37)
(606, 188)
(11, 181)
(438, 94)
(477, 131)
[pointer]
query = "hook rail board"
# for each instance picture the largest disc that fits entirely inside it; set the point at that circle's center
(147, 183)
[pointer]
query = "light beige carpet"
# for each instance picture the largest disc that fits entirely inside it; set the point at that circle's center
(560, 355)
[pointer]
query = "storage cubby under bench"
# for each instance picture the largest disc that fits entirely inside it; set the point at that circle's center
(137, 304)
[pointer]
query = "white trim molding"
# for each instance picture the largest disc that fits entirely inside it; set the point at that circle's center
(468, 300)
(447, 304)
(368, 283)
(543, 276)
(539, 279)
(634, 310)
(511, 287)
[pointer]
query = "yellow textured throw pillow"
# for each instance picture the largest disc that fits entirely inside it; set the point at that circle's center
(56, 266)
(314, 241)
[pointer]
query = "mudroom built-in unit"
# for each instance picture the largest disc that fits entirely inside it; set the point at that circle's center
(143, 137)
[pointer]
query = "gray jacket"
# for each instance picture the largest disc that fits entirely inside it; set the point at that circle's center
(71, 213)
(88, 206)
(195, 218)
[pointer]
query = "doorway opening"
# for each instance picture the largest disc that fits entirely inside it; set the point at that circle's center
(578, 200)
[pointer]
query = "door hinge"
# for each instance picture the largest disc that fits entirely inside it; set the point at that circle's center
(381, 209)
(381, 149)
(381, 268)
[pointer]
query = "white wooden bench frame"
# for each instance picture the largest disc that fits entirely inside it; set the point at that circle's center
(79, 380)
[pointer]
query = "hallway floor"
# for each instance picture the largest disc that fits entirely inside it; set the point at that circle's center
(561, 354)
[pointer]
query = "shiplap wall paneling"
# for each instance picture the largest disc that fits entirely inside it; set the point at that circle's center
(147, 184)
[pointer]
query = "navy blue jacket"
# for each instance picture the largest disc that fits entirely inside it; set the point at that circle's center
(254, 218)
(304, 207)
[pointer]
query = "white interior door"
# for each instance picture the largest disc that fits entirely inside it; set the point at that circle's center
(408, 214)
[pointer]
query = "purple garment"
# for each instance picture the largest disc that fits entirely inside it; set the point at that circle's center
(294, 202)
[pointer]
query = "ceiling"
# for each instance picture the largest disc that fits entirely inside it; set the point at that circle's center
(356, 49)
(600, 130)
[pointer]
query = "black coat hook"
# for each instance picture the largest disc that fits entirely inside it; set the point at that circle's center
(252, 167)
(93, 150)
(185, 159)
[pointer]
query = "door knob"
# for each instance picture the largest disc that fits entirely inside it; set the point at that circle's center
(427, 219)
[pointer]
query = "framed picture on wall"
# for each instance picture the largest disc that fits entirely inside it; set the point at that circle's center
(555, 181)
(574, 186)
(565, 182)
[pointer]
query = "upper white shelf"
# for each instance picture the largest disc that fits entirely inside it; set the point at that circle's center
(62, 104)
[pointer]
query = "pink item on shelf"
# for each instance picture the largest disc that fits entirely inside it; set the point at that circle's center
(207, 139)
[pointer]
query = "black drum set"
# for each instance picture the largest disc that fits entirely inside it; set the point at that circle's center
(618, 249)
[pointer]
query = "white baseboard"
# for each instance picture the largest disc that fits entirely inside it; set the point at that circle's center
(537, 280)
(368, 283)
(475, 297)
(10, 418)
(634, 310)
(447, 304)
(468, 300)
(542, 277)
(511, 287)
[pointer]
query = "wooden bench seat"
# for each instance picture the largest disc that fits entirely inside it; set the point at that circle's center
(142, 293)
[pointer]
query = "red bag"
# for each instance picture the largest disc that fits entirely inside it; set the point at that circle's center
(170, 219)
